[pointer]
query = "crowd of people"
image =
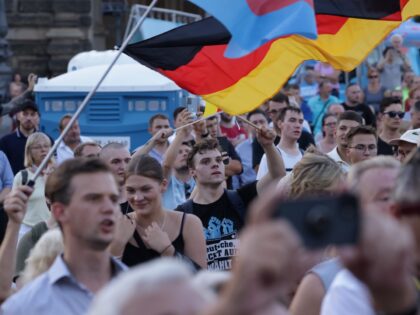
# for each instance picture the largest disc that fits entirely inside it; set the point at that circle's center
(184, 224)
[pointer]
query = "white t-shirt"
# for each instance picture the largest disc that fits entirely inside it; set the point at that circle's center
(65, 153)
(288, 160)
(347, 296)
(336, 157)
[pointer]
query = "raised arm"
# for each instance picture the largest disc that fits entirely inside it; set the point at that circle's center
(173, 149)
(276, 169)
(151, 143)
(15, 206)
(14, 104)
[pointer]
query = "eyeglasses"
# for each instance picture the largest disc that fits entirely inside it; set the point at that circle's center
(331, 124)
(393, 114)
(363, 148)
(373, 76)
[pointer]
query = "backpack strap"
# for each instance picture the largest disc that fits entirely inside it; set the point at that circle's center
(24, 174)
(237, 203)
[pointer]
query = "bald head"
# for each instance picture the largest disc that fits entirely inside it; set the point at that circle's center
(117, 157)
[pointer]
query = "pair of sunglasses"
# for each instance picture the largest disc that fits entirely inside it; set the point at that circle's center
(393, 114)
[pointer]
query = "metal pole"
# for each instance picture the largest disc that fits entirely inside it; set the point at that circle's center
(91, 93)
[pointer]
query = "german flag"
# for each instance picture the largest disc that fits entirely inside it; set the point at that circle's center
(193, 55)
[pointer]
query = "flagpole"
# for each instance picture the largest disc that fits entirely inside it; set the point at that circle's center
(197, 121)
(91, 93)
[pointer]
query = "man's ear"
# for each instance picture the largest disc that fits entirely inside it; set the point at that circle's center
(59, 212)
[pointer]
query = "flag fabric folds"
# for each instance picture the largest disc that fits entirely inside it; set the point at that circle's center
(193, 55)
(253, 23)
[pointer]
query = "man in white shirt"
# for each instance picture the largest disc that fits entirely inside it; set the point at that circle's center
(70, 141)
(289, 122)
(345, 122)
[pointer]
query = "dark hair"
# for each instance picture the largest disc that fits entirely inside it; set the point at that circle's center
(79, 149)
(360, 130)
(157, 116)
(200, 147)
(255, 112)
(213, 117)
(58, 186)
(144, 165)
(388, 101)
(324, 119)
(416, 106)
(350, 115)
(350, 85)
(386, 50)
(177, 111)
(283, 112)
(280, 98)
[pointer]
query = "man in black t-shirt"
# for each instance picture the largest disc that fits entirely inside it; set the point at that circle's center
(354, 102)
(234, 163)
(221, 211)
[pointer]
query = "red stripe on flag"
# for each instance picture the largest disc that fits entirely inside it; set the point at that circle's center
(209, 71)
(329, 24)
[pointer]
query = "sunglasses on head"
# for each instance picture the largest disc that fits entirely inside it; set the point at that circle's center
(393, 114)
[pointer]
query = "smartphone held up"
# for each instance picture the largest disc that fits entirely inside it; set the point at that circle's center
(323, 221)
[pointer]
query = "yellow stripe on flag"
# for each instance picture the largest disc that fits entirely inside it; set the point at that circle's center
(209, 109)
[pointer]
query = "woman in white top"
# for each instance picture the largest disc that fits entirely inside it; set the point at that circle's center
(36, 149)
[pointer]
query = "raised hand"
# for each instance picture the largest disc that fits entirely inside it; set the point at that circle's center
(16, 202)
(156, 238)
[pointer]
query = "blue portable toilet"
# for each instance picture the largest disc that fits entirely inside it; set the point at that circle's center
(119, 110)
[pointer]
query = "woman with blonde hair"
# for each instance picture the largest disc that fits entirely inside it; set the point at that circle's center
(36, 149)
(42, 256)
(315, 174)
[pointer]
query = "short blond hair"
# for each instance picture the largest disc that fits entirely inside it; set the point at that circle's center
(357, 170)
(42, 256)
(314, 173)
(33, 139)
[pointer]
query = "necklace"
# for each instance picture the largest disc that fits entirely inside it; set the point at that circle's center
(161, 225)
